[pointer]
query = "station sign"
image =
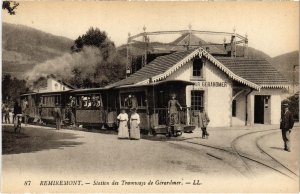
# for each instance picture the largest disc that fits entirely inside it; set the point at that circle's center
(211, 84)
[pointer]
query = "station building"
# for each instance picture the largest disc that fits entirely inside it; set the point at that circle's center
(234, 91)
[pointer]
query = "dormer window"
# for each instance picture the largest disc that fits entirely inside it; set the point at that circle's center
(197, 67)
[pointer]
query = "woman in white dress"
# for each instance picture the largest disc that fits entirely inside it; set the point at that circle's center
(123, 129)
(134, 125)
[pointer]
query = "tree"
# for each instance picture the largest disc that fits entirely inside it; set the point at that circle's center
(12, 88)
(10, 6)
(293, 102)
(109, 69)
(93, 37)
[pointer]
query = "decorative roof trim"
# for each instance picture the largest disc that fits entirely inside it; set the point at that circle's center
(274, 86)
(172, 69)
(226, 70)
(201, 53)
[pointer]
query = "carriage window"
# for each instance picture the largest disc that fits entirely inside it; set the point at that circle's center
(197, 99)
(50, 100)
(197, 67)
(130, 98)
(57, 99)
(89, 101)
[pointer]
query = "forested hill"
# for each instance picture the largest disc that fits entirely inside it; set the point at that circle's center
(23, 47)
(288, 65)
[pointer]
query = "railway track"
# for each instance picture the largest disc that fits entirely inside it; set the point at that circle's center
(273, 158)
(245, 158)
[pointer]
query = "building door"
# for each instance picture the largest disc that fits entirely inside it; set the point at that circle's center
(259, 109)
(197, 101)
(262, 109)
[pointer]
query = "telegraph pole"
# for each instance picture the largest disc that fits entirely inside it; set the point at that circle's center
(128, 67)
(294, 77)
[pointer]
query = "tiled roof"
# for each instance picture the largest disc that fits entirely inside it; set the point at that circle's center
(252, 72)
(156, 67)
(260, 72)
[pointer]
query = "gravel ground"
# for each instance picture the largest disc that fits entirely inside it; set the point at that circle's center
(42, 153)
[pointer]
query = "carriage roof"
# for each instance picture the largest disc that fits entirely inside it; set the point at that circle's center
(87, 90)
(158, 83)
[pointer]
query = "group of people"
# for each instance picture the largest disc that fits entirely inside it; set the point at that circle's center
(10, 115)
(90, 102)
(7, 113)
(129, 125)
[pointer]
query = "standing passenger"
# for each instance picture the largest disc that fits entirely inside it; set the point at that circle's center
(123, 127)
(172, 110)
(25, 111)
(57, 116)
(134, 102)
(203, 122)
(72, 105)
(286, 124)
(17, 112)
(41, 110)
(134, 125)
(6, 114)
(3, 113)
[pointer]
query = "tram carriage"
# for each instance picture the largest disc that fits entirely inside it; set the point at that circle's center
(100, 106)
(94, 107)
(152, 100)
(41, 105)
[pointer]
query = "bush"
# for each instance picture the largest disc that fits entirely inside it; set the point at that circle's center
(293, 102)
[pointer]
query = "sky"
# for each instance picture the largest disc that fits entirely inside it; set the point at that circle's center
(272, 27)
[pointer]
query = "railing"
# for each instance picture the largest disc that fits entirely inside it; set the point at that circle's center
(160, 116)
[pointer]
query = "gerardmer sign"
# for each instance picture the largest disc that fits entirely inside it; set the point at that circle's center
(211, 84)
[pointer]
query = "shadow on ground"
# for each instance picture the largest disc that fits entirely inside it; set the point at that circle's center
(35, 139)
(277, 148)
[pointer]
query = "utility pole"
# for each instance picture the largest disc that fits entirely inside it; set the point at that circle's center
(233, 43)
(128, 66)
(294, 77)
(190, 34)
(144, 62)
(246, 46)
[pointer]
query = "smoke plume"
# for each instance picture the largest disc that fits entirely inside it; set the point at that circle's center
(85, 62)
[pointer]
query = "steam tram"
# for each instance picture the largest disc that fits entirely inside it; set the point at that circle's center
(99, 107)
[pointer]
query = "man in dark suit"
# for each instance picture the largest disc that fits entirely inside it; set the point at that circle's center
(286, 124)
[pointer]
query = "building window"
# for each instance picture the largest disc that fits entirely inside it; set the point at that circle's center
(197, 99)
(56, 86)
(234, 108)
(197, 67)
